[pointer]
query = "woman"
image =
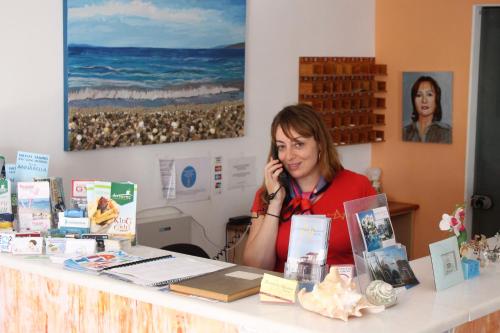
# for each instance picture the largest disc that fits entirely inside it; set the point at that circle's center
(316, 184)
(426, 117)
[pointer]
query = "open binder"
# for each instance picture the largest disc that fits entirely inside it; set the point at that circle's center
(161, 271)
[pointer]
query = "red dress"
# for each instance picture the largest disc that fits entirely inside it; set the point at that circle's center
(346, 185)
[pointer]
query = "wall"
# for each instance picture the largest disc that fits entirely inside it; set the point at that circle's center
(424, 35)
(278, 32)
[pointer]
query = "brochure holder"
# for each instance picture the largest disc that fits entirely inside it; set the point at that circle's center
(351, 208)
(307, 274)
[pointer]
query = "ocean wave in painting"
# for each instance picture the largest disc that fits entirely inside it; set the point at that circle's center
(142, 94)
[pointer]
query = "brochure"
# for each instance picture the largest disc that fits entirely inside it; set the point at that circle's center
(79, 193)
(112, 208)
(5, 197)
(34, 206)
(27, 244)
(391, 265)
(307, 247)
(97, 262)
(6, 241)
(376, 228)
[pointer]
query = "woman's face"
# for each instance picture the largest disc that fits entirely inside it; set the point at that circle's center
(298, 154)
(425, 99)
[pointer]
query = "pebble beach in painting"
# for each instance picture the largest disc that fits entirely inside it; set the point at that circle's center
(103, 127)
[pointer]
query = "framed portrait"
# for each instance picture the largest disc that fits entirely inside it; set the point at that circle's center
(140, 72)
(427, 107)
(446, 263)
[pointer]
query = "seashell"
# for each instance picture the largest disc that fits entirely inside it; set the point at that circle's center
(379, 292)
(336, 297)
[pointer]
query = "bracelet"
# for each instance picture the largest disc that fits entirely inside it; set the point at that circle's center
(273, 215)
(272, 195)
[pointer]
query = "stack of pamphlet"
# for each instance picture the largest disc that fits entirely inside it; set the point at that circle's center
(308, 248)
(384, 258)
(99, 261)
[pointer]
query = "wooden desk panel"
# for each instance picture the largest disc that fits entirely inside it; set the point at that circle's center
(403, 220)
(33, 303)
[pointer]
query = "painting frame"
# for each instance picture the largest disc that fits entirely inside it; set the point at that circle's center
(446, 263)
(427, 107)
(126, 88)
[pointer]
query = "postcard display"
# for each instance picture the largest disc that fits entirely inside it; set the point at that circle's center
(363, 249)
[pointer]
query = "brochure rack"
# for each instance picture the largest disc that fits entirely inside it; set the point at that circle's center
(351, 208)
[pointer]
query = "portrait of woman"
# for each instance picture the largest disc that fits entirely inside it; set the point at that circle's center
(427, 107)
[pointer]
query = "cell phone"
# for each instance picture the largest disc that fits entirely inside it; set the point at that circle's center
(284, 176)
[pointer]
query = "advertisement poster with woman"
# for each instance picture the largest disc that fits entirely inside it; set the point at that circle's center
(427, 107)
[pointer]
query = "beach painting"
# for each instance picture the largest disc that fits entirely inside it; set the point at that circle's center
(140, 72)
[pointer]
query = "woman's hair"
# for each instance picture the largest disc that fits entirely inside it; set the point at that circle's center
(305, 121)
(438, 113)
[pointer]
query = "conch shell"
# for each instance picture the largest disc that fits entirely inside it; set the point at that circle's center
(379, 292)
(336, 297)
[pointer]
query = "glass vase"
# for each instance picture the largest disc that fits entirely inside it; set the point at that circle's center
(462, 238)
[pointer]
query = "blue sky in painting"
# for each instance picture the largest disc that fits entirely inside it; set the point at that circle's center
(156, 23)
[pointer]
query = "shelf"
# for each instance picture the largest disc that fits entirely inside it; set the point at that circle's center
(344, 90)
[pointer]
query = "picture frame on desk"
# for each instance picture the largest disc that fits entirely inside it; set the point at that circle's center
(446, 263)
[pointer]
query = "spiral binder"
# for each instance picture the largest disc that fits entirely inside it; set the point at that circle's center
(161, 271)
(137, 262)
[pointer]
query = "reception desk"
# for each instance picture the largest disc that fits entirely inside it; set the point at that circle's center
(40, 296)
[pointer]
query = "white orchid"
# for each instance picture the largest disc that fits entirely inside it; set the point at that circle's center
(455, 223)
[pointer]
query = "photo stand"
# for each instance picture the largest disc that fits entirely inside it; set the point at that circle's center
(351, 208)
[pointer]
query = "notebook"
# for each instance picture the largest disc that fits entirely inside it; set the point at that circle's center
(225, 285)
(161, 271)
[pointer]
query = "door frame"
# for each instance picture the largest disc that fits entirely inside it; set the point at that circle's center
(470, 149)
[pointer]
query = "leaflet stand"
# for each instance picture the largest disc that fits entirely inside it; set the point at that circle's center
(351, 208)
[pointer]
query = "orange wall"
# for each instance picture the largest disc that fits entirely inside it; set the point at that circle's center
(424, 35)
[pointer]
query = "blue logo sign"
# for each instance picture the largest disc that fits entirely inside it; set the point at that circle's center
(188, 176)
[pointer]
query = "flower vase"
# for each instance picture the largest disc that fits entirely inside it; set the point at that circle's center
(462, 238)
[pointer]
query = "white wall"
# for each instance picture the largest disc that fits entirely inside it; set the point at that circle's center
(278, 32)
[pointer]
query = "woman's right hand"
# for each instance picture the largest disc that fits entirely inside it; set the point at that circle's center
(272, 170)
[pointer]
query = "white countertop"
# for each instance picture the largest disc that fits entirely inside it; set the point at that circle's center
(419, 309)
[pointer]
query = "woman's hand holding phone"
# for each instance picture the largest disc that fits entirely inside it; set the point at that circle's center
(272, 172)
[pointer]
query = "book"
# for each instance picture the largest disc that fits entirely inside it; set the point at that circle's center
(308, 246)
(376, 228)
(99, 261)
(390, 264)
(162, 271)
(30, 166)
(224, 285)
(34, 206)
(112, 208)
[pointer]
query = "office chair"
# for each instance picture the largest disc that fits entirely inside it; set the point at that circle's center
(186, 248)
